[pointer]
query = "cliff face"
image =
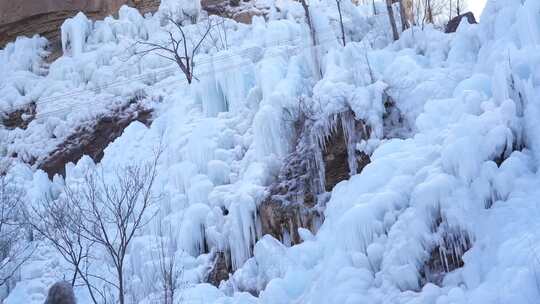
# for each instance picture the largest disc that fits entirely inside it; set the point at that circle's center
(44, 17)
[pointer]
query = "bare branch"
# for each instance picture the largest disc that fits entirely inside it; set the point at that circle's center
(177, 48)
(15, 248)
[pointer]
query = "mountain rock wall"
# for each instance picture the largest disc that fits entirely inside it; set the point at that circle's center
(44, 17)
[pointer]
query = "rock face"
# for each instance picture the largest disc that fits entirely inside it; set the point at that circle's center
(61, 293)
(296, 200)
(92, 140)
(220, 269)
(453, 24)
(241, 11)
(19, 118)
(44, 17)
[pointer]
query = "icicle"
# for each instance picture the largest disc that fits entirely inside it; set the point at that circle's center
(349, 132)
(321, 134)
(244, 229)
(74, 32)
(192, 230)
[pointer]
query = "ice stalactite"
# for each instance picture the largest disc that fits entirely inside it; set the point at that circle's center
(509, 90)
(270, 132)
(446, 251)
(219, 91)
(75, 31)
(340, 131)
(182, 11)
(245, 230)
(209, 95)
(192, 236)
(325, 154)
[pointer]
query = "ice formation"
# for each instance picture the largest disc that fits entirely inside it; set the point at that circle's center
(75, 32)
(445, 212)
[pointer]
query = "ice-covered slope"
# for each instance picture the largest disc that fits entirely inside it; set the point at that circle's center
(446, 212)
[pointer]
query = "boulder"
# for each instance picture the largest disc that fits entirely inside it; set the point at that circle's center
(61, 293)
(453, 24)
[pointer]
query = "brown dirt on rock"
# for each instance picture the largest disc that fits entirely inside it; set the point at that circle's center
(220, 269)
(93, 140)
(20, 118)
(447, 255)
(30, 17)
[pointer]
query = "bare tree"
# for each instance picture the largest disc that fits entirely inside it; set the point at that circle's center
(219, 38)
(458, 8)
(15, 247)
(429, 11)
(55, 221)
(170, 273)
(434, 11)
(338, 2)
(403, 14)
(181, 49)
(392, 19)
(111, 210)
(97, 212)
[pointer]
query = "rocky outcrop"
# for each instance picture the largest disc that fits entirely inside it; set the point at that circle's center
(44, 17)
(92, 140)
(220, 270)
(297, 199)
(453, 24)
(241, 11)
(19, 118)
(446, 250)
(61, 293)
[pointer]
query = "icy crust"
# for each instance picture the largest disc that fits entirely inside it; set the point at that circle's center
(463, 176)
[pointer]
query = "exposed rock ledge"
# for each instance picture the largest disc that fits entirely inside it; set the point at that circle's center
(44, 17)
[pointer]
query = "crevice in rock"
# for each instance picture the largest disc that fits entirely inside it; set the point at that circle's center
(93, 139)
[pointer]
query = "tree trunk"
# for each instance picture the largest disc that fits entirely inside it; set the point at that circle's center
(429, 11)
(315, 53)
(341, 22)
(74, 278)
(392, 19)
(120, 272)
(403, 13)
